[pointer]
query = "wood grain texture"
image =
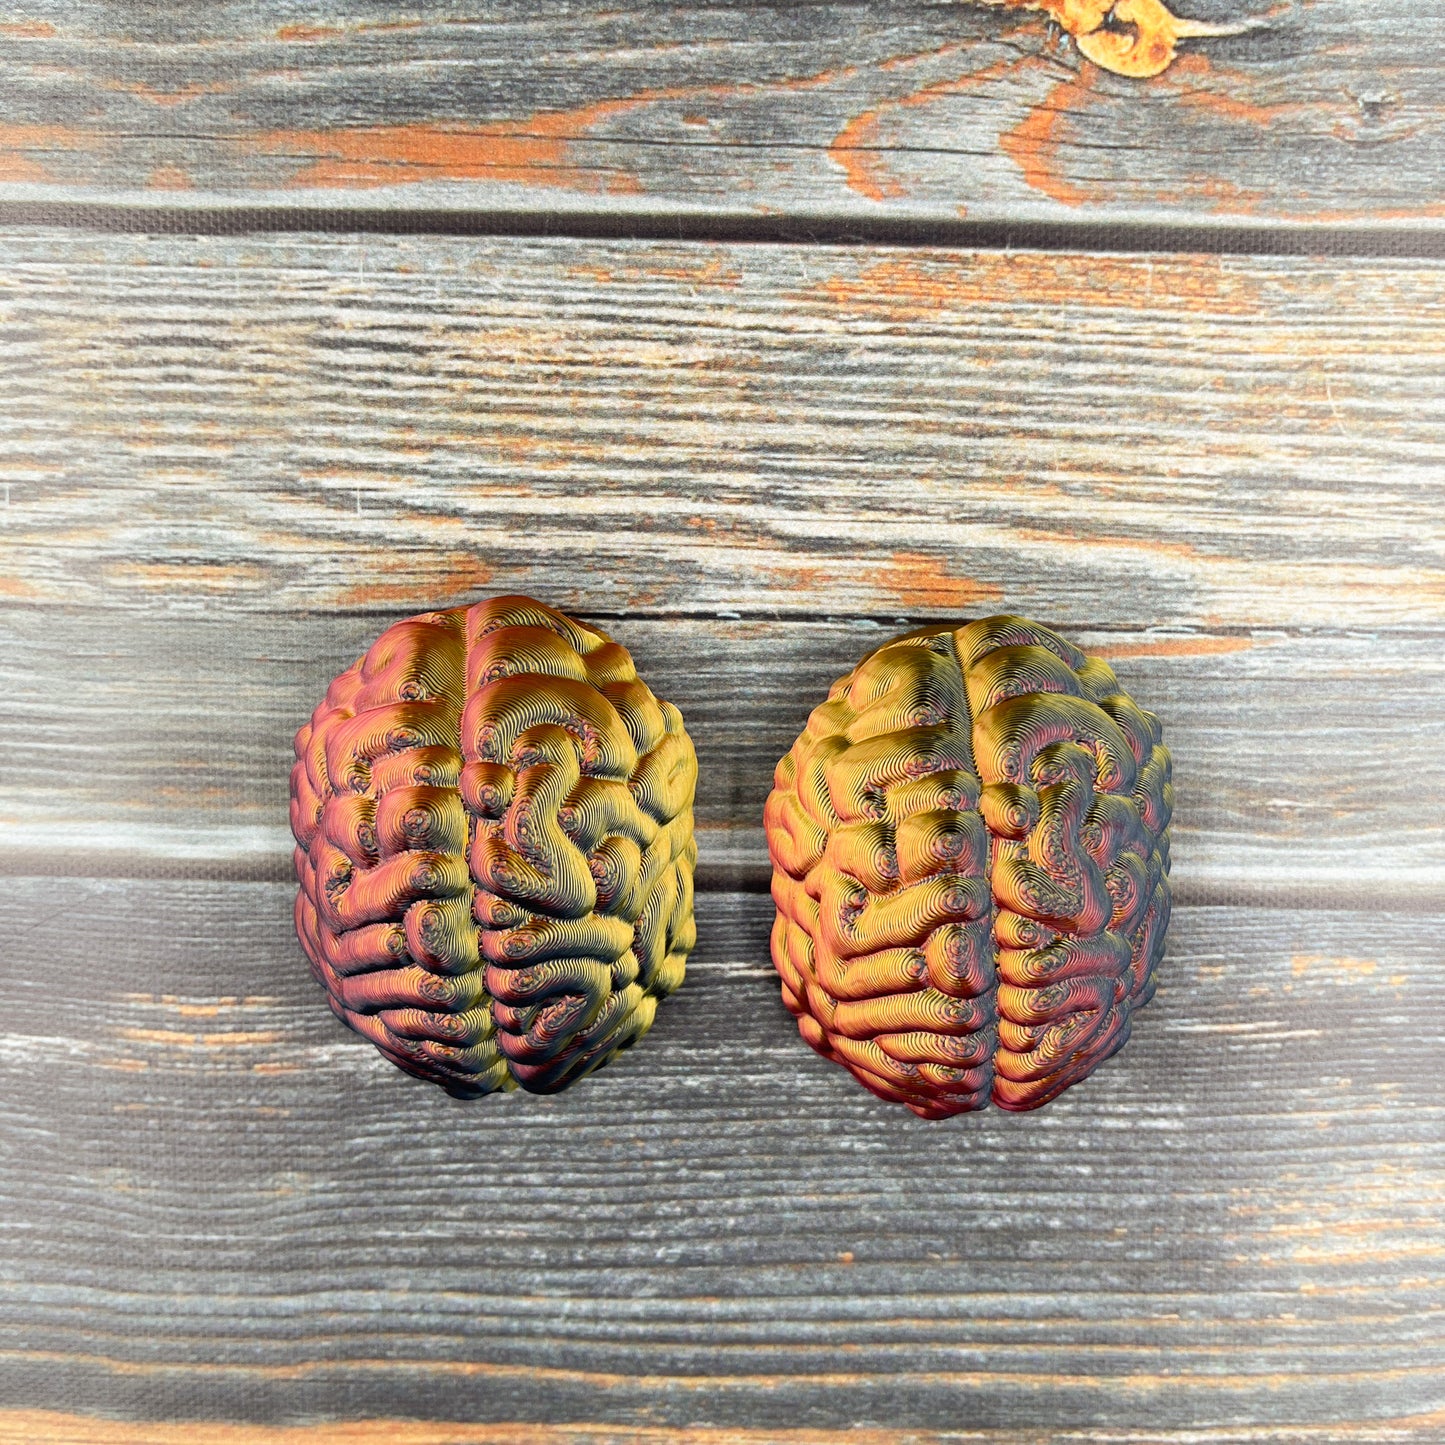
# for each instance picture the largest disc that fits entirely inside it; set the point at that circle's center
(1321, 111)
(265, 424)
(53, 1427)
(230, 1208)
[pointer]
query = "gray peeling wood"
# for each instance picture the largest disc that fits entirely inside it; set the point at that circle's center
(1326, 111)
(36, 1427)
(230, 1207)
(265, 424)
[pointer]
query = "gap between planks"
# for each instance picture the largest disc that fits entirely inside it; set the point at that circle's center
(1419, 241)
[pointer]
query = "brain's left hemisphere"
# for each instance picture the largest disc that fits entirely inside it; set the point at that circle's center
(493, 818)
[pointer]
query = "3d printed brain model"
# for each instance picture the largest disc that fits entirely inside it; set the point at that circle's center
(970, 846)
(493, 819)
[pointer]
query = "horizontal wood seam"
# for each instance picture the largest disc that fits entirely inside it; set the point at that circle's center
(1424, 241)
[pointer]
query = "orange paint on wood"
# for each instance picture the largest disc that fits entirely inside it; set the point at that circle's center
(184, 577)
(52, 1427)
(418, 581)
(27, 29)
(1228, 198)
(382, 26)
(1192, 79)
(309, 32)
(1033, 145)
(528, 152)
(47, 1427)
(961, 85)
(914, 579)
(858, 150)
(711, 272)
(1432, 211)
(1185, 1378)
(177, 1038)
(1301, 963)
(532, 150)
(168, 178)
(909, 289)
(1172, 647)
(916, 57)
(1154, 546)
(20, 143)
(1242, 111)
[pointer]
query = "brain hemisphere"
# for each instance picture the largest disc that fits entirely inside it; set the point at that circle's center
(493, 818)
(970, 864)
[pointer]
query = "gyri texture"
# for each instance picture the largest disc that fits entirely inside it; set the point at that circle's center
(493, 818)
(970, 846)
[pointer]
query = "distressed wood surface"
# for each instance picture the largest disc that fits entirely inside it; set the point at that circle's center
(51, 1427)
(1321, 111)
(227, 463)
(230, 1207)
(267, 424)
(35, 1427)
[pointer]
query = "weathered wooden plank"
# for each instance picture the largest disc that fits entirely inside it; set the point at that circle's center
(1320, 112)
(349, 423)
(1308, 768)
(220, 1204)
(53, 1427)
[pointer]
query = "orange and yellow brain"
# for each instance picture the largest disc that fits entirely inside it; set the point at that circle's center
(495, 852)
(970, 846)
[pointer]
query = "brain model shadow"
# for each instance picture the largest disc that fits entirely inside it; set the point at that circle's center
(970, 846)
(493, 818)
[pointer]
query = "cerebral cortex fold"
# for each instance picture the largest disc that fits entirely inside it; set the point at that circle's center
(495, 851)
(970, 846)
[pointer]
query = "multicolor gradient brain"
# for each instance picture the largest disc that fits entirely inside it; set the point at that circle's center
(970, 846)
(493, 818)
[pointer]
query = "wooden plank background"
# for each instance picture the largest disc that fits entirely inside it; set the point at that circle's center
(228, 460)
(1321, 111)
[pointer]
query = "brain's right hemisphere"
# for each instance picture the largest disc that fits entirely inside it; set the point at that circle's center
(970, 846)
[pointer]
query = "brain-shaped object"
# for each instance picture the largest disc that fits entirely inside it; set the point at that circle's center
(970, 846)
(493, 818)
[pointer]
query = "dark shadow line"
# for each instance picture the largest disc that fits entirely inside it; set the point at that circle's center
(1425, 242)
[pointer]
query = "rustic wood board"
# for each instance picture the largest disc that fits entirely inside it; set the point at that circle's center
(230, 1207)
(1322, 111)
(353, 423)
